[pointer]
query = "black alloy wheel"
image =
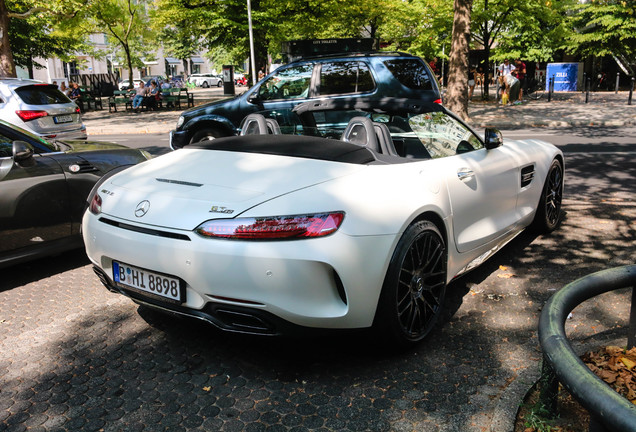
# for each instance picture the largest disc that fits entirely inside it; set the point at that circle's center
(549, 211)
(415, 286)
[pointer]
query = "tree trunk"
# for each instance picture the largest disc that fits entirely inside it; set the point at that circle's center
(30, 67)
(7, 65)
(457, 96)
(129, 63)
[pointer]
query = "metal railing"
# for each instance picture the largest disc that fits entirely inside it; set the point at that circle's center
(609, 411)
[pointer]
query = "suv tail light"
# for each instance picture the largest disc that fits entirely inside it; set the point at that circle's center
(27, 115)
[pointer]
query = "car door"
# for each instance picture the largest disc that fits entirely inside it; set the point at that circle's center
(34, 201)
(482, 183)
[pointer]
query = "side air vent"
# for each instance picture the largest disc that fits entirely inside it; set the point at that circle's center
(81, 166)
(527, 175)
(143, 230)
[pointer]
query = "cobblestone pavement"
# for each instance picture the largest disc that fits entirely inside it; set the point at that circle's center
(76, 357)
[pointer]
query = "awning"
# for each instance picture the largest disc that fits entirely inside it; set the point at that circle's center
(197, 60)
(173, 61)
(150, 62)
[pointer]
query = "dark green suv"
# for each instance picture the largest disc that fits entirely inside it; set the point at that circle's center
(376, 75)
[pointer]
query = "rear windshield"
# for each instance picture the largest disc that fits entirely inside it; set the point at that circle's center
(41, 95)
(411, 73)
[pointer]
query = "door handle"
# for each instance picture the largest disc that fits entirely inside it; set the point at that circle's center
(465, 174)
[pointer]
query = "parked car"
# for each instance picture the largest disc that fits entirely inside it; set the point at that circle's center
(271, 231)
(40, 108)
(125, 84)
(44, 190)
(156, 78)
(371, 75)
(206, 80)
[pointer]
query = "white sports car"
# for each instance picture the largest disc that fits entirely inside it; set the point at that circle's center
(271, 231)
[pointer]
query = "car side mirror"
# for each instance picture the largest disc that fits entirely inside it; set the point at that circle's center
(493, 138)
(253, 97)
(22, 150)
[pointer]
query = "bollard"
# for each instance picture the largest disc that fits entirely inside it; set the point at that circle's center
(618, 76)
(631, 90)
(587, 90)
(584, 81)
(550, 89)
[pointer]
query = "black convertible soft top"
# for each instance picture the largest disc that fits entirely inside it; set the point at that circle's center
(307, 147)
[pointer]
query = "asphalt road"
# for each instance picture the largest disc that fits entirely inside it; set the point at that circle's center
(76, 357)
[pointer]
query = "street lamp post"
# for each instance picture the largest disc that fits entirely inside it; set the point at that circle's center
(249, 21)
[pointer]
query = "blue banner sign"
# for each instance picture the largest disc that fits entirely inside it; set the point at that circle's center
(565, 76)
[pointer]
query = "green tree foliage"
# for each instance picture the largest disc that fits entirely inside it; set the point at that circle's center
(535, 31)
(33, 37)
(126, 24)
(604, 27)
(38, 28)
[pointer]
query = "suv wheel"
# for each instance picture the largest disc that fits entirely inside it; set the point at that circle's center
(205, 135)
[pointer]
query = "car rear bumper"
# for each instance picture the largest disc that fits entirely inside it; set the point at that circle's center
(317, 283)
(72, 134)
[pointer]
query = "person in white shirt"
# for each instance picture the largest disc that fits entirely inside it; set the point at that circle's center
(506, 79)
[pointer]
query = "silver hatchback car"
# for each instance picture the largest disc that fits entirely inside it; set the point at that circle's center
(40, 108)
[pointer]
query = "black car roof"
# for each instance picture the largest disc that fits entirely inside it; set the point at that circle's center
(307, 147)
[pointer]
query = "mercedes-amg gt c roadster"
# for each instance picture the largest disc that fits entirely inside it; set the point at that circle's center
(331, 216)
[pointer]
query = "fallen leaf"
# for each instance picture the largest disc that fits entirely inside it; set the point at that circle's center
(628, 363)
(207, 389)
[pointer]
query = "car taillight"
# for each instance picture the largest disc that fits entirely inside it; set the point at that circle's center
(437, 101)
(273, 228)
(27, 115)
(95, 206)
(77, 110)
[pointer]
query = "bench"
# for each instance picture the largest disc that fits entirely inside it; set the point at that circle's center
(172, 97)
(120, 97)
(87, 97)
(187, 97)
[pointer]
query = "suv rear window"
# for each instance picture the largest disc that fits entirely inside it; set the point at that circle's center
(41, 95)
(345, 77)
(411, 73)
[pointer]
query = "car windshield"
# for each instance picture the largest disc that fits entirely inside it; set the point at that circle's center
(41, 94)
(417, 135)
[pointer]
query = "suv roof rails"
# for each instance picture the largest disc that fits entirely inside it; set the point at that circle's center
(355, 54)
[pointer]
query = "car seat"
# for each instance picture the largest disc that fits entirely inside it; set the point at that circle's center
(257, 124)
(376, 136)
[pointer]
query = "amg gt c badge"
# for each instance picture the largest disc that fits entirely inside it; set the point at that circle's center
(142, 208)
(217, 209)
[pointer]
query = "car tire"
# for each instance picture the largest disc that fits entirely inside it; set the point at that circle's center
(205, 84)
(548, 213)
(414, 287)
(219, 84)
(205, 135)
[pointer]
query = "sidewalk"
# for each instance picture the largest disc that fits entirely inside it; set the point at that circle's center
(564, 110)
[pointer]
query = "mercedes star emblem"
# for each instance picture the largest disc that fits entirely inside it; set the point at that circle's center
(142, 208)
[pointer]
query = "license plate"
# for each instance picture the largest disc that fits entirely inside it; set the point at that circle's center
(63, 119)
(159, 285)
